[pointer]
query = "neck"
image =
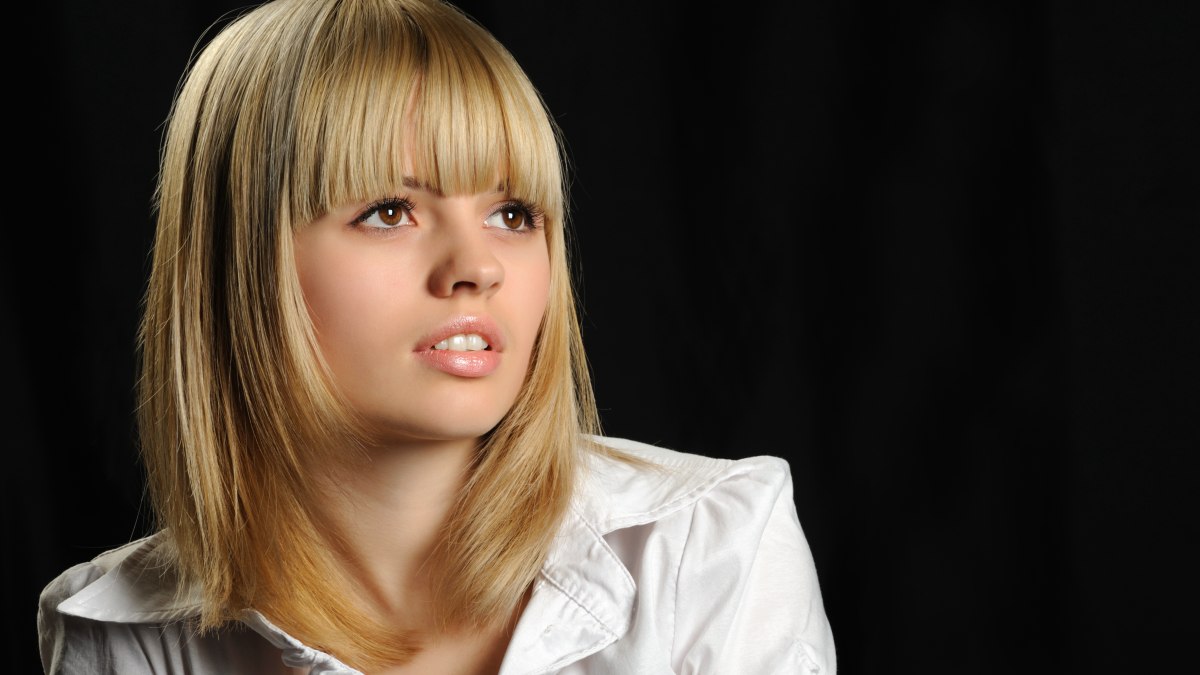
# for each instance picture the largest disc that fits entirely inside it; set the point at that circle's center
(388, 512)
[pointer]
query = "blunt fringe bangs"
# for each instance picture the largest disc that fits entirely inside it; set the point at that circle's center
(295, 108)
(385, 80)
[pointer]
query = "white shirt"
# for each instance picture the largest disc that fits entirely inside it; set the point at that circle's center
(702, 568)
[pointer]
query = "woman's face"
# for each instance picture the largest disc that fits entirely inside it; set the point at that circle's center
(406, 292)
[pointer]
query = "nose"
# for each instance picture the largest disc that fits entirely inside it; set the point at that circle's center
(465, 263)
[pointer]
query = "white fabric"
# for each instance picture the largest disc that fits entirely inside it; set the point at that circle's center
(699, 568)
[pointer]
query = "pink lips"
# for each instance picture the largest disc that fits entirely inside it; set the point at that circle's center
(463, 364)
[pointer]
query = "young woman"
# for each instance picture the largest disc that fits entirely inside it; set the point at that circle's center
(365, 411)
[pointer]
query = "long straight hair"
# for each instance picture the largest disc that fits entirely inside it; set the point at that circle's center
(294, 108)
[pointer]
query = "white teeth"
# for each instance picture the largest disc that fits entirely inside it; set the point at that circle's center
(469, 342)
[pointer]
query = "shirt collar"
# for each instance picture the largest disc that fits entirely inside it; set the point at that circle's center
(614, 494)
(136, 587)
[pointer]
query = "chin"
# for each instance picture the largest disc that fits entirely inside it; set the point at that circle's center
(401, 434)
(441, 425)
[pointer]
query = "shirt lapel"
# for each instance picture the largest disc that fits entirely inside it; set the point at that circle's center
(582, 601)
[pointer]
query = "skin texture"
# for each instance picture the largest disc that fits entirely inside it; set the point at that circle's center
(373, 294)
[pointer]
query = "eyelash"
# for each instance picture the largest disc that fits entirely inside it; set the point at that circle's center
(374, 207)
(533, 215)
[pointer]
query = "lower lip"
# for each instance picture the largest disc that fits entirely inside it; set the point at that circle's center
(462, 364)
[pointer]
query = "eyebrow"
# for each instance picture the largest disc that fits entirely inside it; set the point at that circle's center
(412, 183)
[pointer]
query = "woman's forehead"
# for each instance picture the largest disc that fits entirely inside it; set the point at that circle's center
(409, 181)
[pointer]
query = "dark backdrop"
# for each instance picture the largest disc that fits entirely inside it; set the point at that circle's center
(940, 256)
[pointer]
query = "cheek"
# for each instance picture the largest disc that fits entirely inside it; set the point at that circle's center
(532, 296)
(349, 302)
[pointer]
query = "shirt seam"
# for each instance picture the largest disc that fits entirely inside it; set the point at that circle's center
(675, 584)
(555, 583)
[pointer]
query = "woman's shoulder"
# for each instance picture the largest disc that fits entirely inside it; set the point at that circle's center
(717, 553)
(135, 582)
(668, 457)
(628, 483)
(99, 610)
(126, 612)
(78, 586)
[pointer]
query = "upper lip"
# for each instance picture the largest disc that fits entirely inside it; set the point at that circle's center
(482, 326)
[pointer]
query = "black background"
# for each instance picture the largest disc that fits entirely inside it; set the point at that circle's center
(941, 256)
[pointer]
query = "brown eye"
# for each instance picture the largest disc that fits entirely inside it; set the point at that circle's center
(386, 215)
(391, 215)
(514, 216)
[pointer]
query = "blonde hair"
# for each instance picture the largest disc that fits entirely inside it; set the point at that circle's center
(294, 108)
